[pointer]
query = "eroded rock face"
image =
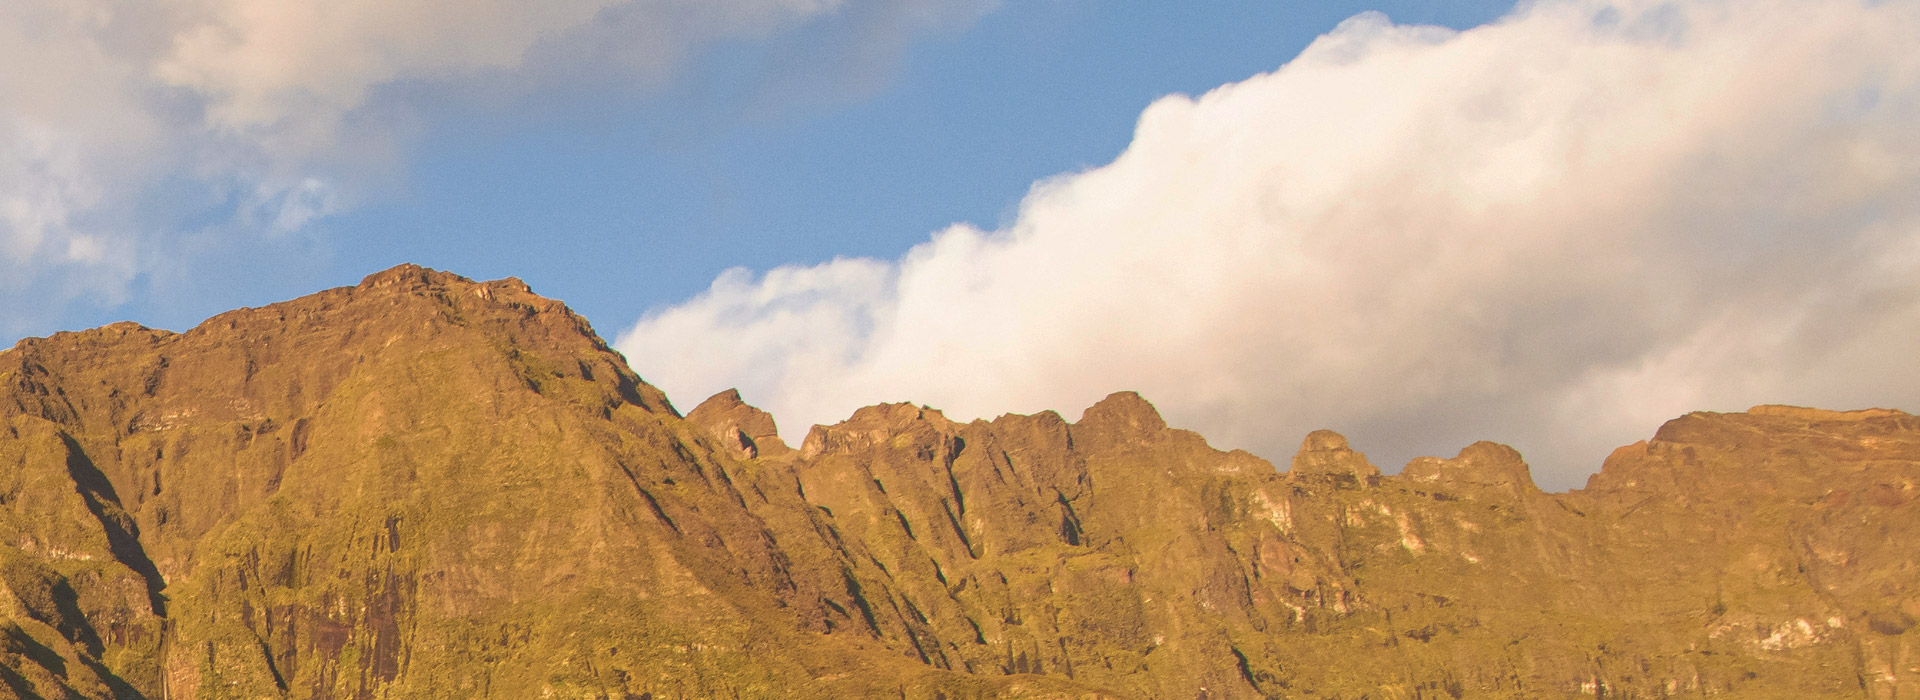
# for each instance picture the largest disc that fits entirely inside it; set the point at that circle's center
(1482, 468)
(425, 486)
(1325, 456)
(421, 486)
(749, 432)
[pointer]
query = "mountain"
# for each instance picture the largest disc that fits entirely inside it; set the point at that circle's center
(428, 487)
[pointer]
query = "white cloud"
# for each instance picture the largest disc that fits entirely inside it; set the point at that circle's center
(287, 72)
(1555, 230)
(119, 118)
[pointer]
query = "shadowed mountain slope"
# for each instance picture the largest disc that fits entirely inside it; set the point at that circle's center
(429, 487)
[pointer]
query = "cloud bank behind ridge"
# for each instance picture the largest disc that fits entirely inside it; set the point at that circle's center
(1556, 230)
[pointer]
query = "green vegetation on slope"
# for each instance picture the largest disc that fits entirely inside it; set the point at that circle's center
(427, 487)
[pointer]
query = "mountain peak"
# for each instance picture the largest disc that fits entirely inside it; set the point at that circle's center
(1482, 467)
(408, 278)
(1122, 417)
(1325, 455)
(1821, 414)
(746, 431)
(872, 425)
(406, 275)
(427, 486)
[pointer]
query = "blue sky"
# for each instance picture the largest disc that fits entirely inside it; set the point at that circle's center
(1554, 225)
(669, 192)
(617, 199)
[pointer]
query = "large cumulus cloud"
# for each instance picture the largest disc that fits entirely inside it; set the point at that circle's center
(1555, 230)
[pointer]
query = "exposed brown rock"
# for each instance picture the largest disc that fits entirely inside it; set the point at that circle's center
(873, 425)
(749, 432)
(1123, 417)
(425, 487)
(1325, 456)
(421, 486)
(1481, 468)
(1819, 415)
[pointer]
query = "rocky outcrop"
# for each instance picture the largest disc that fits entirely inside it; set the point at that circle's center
(425, 486)
(1325, 457)
(1487, 469)
(420, 486)
(747, 431)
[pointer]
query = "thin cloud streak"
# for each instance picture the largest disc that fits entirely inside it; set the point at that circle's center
(254, 120)
(1556, 230)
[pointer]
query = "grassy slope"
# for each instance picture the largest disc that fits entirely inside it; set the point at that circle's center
(428, 487)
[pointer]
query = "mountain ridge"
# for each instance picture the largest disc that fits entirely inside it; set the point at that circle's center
(426, 486)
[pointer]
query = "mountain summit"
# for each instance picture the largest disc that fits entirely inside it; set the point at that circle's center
(428, 487)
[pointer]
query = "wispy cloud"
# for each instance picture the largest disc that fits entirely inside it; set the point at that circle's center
(121, 119)
(1556, 230)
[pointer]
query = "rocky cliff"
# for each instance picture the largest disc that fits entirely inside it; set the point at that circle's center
(428, 487)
